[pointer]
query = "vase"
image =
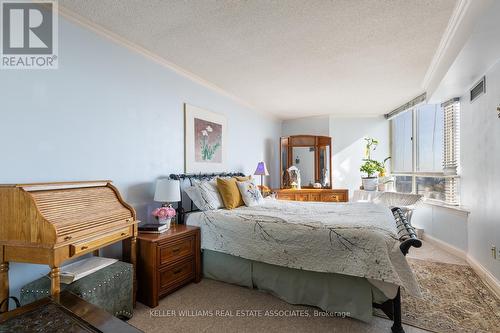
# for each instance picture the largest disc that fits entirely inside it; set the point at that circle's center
(370, 184)
(165, 221)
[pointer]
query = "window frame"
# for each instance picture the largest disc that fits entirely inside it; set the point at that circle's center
(414, 174)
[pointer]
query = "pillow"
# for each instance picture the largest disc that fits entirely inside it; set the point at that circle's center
(250, 193)
(210, 194)
(243, 179)
(194, 194)
(230, 193)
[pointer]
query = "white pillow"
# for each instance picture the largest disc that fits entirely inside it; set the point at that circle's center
(205, 195)
(194, 194)
(250, 193)
(210, 194)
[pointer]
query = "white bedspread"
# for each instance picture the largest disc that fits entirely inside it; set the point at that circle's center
(356, 239)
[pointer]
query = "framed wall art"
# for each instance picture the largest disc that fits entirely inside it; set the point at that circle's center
(204, 141)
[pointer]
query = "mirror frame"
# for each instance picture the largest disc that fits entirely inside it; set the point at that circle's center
(306, 141)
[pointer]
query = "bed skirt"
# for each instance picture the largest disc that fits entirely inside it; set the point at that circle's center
(335, 293)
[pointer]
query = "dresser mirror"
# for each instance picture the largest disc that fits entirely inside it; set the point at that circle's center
(311, 156)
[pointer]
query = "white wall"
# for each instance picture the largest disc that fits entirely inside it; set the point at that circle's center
(109, 113)
(349, 147)
(306, 126)
(480, 190)
(446, 224)
(475, 233)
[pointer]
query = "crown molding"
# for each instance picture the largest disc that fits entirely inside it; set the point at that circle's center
(458, 30)
(449, 33)
(86, 23)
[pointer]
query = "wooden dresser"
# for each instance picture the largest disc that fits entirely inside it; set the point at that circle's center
(167, 262)
(310, 194)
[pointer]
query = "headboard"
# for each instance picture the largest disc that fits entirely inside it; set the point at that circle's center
(186, 180)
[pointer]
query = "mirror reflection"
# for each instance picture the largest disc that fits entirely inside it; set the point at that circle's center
(303, 159)
(306, 162)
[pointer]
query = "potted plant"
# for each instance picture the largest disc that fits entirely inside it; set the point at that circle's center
(370, 168)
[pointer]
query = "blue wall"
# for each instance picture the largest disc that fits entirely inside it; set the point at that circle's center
(110, 113)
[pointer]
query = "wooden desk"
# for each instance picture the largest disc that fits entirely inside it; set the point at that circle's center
(49, 223)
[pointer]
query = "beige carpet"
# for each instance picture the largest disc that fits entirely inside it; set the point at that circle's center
(210, 295)
(455, 300)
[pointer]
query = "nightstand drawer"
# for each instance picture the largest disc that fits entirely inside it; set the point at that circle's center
(171, 252)
(176, 274)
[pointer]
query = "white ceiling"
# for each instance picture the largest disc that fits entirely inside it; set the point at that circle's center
(292, 58)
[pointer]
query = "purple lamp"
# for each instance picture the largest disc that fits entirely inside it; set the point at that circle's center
(261, 171)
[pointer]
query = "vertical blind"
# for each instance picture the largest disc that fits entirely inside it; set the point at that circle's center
(451, 149)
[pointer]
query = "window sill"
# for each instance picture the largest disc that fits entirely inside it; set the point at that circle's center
(461, 209)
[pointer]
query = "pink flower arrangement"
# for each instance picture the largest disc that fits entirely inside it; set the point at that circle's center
(164, 213)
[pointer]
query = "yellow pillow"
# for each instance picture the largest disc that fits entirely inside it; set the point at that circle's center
(243, 179)
(229, 192)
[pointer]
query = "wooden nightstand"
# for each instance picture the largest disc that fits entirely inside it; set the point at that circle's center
(167, 262)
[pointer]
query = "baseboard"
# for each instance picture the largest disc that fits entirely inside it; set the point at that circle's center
(485, 275)
(488, 278)
(445, 246)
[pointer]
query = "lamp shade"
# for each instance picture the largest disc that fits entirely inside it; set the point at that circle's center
(167, 190)
(261, 169)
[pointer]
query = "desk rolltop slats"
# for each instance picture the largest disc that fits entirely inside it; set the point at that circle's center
(75, 210)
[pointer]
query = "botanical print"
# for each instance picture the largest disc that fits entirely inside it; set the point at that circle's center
(204, 140)
(208, 141)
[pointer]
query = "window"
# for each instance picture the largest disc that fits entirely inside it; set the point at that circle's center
(425, 151)
(430, 138)
(402, 133)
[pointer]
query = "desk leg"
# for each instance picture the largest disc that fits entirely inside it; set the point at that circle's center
(55, 279)
(4, 285)
(133, 261)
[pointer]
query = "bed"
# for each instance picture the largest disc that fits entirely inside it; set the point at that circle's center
(344, 258)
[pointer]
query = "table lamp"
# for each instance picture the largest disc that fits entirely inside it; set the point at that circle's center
(167, 191)
(261, 171)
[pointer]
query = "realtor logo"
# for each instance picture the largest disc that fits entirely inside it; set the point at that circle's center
(29, 35)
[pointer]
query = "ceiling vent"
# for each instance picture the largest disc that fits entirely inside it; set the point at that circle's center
(478, 90)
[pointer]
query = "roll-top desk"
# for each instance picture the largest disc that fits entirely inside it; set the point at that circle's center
(52, 222)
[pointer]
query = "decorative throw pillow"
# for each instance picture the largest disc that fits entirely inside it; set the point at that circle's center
(243, 179)
(194, 194)
(210, 194)
(250, 193)
(230, 193)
